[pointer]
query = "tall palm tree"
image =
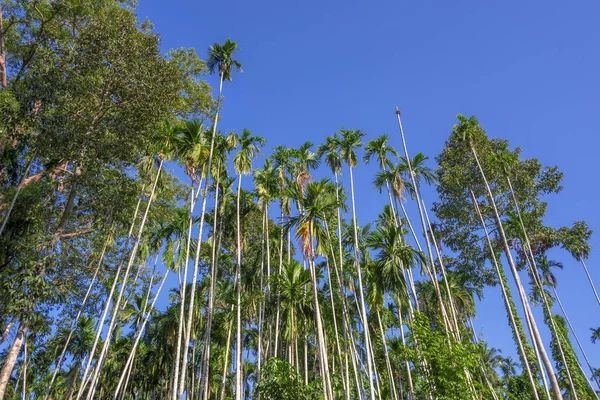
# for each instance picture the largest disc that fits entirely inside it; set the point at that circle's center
(223, 146)
(351, 139)
(467, 129)
(330, 151)
(220, 59)
(393, 256)
(265, 184)
(191, 148)
(415, 185)
(317, 204)
(282, 159)
(249, 148)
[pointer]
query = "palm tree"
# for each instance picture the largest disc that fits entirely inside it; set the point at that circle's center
(393, 256)
(467, 129)
(292, 283)
(282, 158)
(351, 139)
(191, 148)
(249, 148)
(223, 145)
(220, 58)
(415, 184)
(330, 150)
(595, 334)
(317, 204)
(306, 160)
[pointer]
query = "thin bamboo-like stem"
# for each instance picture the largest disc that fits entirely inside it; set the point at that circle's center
(506, 300)
(74, 323)
(524, 300)
(139, 335)
(596, 378)
(112, 323)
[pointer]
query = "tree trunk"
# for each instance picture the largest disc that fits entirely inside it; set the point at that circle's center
(11, 358)
(140, 332)
(518, 335)
(198, 246)
(66, 213)
(432, 272)
(2, 52)
(117, 304)
(411, 389)
(238, 350)
(320, 332)
(535, 333)
(211, 293)
(387, 358)
(590, 279)
(362, 296)
(7, 330)
(74, 323)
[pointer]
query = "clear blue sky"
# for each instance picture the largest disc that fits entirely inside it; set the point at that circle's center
(528, 70)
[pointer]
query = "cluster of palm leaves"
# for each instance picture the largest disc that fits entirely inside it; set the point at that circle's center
(286, 273)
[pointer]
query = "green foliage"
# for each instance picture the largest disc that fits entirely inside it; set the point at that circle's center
(447, 359)
(577, 375)
(280, 381)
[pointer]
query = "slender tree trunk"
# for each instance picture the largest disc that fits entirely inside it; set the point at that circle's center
(507, 300)
(536, 335)
(132, 352)
(432, 273)
(261, 306)
(238, 350)
(198, 246)
(11, 358)
(387, 358)
(444, 276)
(339, 277)
(590, 279)
(211, 292)
(138, 329)
(362, 296)
(100, 322)
(2, 52)
(411, 388)
(74, 323)
(538, 282)
(276, 341)
(320, 332)
(66, 214)
(564, 312)
(25, 361)
(7, 330)
(225, 364)
(335, 328)
(120, 296)
(182, 291)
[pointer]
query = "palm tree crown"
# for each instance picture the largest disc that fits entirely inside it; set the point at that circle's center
(220, 58)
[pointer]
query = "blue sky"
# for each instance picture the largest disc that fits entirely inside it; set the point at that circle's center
(528, 70)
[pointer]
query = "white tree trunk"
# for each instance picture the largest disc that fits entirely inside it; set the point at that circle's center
(11, 358)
